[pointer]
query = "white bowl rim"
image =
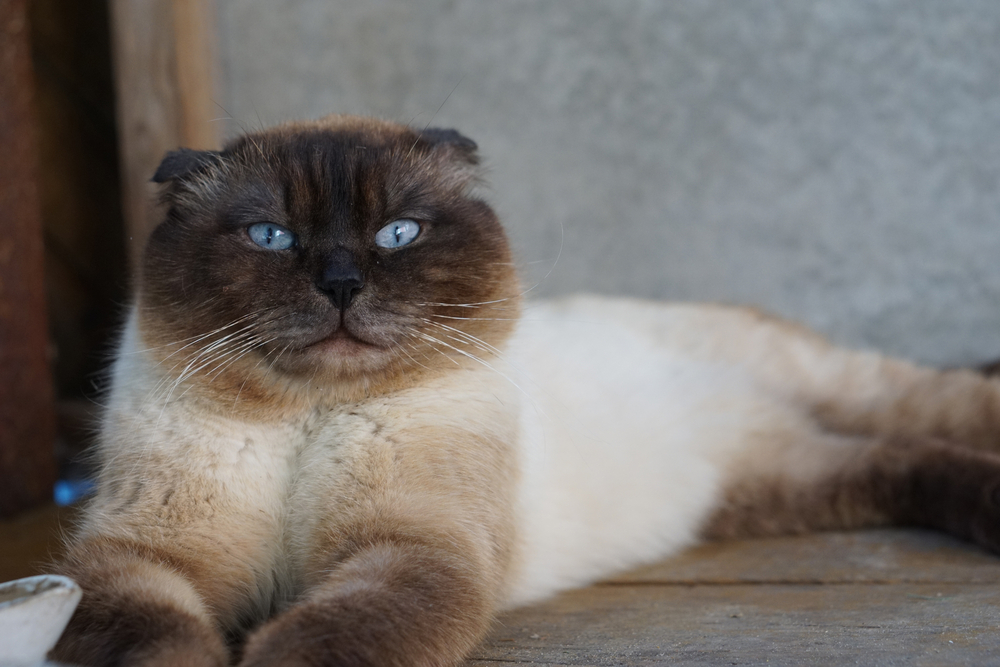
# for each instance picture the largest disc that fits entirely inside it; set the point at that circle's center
(20, 591)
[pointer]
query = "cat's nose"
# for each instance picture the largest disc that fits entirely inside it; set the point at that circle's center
(341, 278)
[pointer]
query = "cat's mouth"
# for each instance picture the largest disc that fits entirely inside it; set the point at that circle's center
(342, 341)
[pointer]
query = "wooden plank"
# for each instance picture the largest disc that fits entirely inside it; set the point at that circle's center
(197, 64)
(165, 75)
(80, 196)
(876, 556)
(27, 460)
(896, 624)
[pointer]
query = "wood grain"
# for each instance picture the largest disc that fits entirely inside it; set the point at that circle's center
(27, 460)
(883, 597)
(165, 67)
(802, 624)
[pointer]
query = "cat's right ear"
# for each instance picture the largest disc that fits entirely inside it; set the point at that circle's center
(183, 162)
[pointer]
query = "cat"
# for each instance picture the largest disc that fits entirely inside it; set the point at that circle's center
(336, 436)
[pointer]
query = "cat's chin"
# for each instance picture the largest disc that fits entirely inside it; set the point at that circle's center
(343, 344)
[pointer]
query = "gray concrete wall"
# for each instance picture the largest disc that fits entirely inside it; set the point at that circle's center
(834, 161)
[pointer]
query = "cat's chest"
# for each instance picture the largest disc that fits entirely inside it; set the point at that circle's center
(353, 444)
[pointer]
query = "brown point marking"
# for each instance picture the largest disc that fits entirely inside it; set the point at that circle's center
(200, 273)
(126, 618)
(925, 483)
(393, 605)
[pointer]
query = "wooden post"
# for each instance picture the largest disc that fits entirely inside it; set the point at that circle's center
(27, 422)
(165, 74)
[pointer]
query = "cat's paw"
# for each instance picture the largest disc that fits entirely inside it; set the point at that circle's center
(133, 634)
(956, 490)
(985, 526)
(328, 633)
(308, 635)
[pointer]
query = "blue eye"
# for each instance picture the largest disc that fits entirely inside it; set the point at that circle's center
(271, 236)
(397, 234)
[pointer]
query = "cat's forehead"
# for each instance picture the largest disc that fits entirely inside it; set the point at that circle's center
(347, 158)
(311, 149)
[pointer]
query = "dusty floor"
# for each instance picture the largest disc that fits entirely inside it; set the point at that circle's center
(873, 598)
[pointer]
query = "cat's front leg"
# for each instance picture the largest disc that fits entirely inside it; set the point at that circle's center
(137, 609)
(406, 600)
(402, 536)
(179, 545)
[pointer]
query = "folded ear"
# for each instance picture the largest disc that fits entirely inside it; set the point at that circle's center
(183, 162)
(439, 135)
(451, 139)
(456, 156)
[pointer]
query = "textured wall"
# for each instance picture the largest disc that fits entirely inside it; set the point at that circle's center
(835, 161)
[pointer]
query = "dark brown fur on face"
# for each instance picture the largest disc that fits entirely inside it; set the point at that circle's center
(334, 183)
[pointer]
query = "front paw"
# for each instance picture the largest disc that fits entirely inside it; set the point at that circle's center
(390, 605)
(342, 633)
(139, 634)
(309, 635)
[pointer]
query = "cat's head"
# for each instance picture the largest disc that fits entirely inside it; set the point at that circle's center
(346, 254)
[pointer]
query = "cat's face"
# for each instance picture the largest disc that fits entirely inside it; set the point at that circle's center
(344, 253)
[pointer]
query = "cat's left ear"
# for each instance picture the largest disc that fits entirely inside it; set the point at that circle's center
(453, 141)
(456, 154)
(183, 162)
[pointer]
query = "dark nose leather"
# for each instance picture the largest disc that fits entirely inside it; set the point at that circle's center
(341, 278)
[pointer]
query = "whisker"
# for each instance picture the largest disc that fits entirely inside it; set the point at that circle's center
(477, 319)
(469, 338)
(197, 338)
(473, 357)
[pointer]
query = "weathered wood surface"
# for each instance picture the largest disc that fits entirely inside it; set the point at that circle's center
(875, 598)
(777, 624)
(165, 76)
(27, 456)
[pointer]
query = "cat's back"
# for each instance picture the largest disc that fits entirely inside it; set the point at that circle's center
(628, 413)
(615, 353)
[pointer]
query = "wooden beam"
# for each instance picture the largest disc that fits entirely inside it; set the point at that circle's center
(27, 423)
(165, 64)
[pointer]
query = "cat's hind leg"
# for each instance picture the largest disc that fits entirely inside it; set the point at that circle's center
(844, 390)
(832, 482)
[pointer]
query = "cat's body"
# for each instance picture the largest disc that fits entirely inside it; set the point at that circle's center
(382, 493)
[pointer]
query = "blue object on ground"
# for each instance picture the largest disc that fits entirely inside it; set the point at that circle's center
(68, 491)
